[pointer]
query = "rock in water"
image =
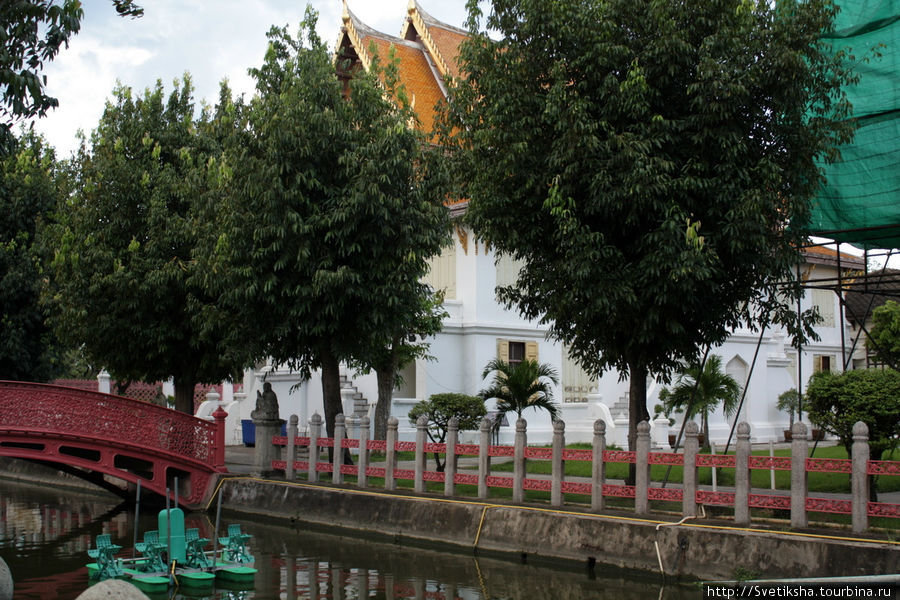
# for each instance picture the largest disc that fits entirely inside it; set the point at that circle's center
(113, 589)
(6, 581)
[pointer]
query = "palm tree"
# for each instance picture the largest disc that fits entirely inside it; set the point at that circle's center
(714, 387)
(519, 386)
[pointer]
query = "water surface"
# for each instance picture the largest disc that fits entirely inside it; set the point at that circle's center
(45, 534)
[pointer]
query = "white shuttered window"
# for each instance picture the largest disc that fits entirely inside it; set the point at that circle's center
(442, 272)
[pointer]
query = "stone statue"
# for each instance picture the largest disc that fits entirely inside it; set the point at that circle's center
(266, 404)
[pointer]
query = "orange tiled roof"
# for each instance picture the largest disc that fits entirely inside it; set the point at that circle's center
(440, 39)
(416, 75)
(830, 253)
(427, 50)
(448, 42)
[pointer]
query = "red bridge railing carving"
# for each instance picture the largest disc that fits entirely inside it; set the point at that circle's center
(127, 438)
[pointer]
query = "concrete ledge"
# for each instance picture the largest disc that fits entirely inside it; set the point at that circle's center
(692, 550)
(27, 472)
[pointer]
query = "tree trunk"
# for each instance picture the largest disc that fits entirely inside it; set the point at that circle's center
(385, 375)
(331, 399)
(184, 394)
(637, 408)
(873, 479)
(705, 419)
(331, 391)
(637, 400)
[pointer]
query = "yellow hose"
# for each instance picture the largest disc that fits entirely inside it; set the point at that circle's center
(480, 524)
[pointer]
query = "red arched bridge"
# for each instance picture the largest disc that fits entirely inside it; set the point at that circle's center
(90, 434)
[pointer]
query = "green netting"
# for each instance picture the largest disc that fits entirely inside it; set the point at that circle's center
(860, 202)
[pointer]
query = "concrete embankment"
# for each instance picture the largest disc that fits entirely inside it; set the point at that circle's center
(695, 549)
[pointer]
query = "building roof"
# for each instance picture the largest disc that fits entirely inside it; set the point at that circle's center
(427, 50)
(823, 255)
(866, 294)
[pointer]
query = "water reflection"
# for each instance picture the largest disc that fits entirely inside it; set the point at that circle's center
(45, 535)
(319, 565)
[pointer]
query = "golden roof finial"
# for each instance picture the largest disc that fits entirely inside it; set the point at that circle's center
(345, 15)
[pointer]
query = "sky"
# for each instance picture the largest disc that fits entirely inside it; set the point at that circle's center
(210, 39)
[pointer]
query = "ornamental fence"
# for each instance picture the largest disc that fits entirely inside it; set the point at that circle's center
(689, 494)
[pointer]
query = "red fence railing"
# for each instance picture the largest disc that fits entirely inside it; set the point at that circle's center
(597, 485)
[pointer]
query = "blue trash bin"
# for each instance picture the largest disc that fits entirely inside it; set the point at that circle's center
(248, 431)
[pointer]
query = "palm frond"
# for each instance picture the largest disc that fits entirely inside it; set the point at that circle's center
(518, 387)
(714, 387)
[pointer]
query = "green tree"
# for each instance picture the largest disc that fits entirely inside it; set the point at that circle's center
(440, 408)
(699, 391)
(789, 402)
(884, 336)
(31, 34)
(650, 163)
(332, 218)
(424, 317)
(122, 284)
(838, 401)
(520, 386)
(29, 192)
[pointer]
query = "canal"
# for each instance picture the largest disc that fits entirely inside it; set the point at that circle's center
(45, 534)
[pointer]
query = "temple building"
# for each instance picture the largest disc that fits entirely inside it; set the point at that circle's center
(478, 328)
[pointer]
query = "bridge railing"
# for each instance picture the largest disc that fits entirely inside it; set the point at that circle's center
(62, 411)
(597, 488)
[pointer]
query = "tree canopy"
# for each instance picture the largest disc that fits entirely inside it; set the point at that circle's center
(651, 163)
(440, 408)
(884, 337)
(838, 401)
(122, 278)
(31, 34)
(29, 191)
(332, 215)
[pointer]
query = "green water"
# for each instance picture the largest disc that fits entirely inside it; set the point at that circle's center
(45, 534)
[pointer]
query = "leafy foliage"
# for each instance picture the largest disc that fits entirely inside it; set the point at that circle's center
(789, 402)
(440, 408)
(29, 192)
(122, 276)
(838, 401)
(331, 218)
(520, 386)
(31, 34)
(418, 321)
(651, 163)
(698, 391)
(884, 336)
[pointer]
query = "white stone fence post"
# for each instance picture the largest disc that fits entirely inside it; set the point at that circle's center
(690, 493)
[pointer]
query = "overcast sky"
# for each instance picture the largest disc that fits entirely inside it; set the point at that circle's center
(211, 39)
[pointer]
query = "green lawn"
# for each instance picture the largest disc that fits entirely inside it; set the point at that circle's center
(818, 482)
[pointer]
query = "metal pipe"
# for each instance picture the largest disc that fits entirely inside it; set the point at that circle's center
(216, 531)
(168, 532)
(737, 417)
(137, 518)
(799, 349)
(686, 412)
(841, 323)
